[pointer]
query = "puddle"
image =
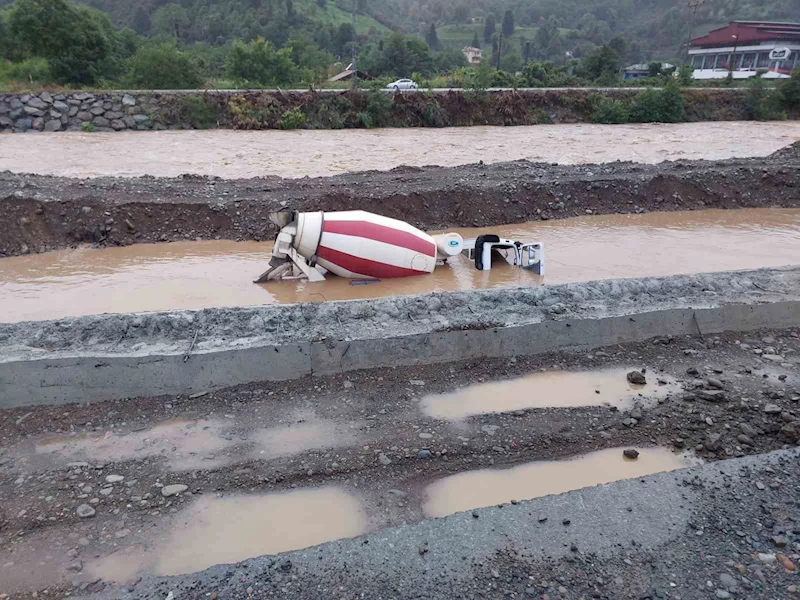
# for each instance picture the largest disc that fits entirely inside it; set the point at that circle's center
(294, 439)
(488, 487)
(227, 530)
(186, 445)
(319, 153)
(119, 567)
(558, 389)
(194, 275)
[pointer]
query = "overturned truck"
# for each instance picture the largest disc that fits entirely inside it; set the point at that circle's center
(360, 245)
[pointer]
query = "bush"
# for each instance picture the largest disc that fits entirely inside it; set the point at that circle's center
(87, 127)
(198, 111)
(292, 119)
(434, 115)
(163, 67)
(790, 91)
(378, 109)
(607, 110)
(658, 106)
(31, 70)
(260, 63)
(762, 103)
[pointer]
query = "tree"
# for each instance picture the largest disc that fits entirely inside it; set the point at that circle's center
(601, 61)
(171, 20)
(259, 63)
(654, 69)
(475, 41)
(449, 59)
(163, 67)
(322, 3)
(508, 23)
(432, 38)
(141, 21)
(526, 52)
(461, 13)
(488, 28)
(74, 40)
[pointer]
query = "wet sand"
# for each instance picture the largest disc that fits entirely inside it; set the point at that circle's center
(193, 275)
(235, 154)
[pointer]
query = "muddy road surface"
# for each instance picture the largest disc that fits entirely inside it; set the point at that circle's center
(47, 213)
(208, 274)
(244, 154)
(96, 497)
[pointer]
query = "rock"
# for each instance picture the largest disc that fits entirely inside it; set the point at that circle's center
(75, 566)
(744, 440)
(692, 371)
(772, 357)
(24, 124)
(114, 478)
(46, 96)
(727, 581)
(790, 432)
(711, 395)
(111, 115)
(714, 383)
(84, 115)
(425, 436)
(384, 460)
(172, 490)
(60, 106)
(722, 594)
(101, 122)
(760, 486)
(786, 563)
(33, 112)
(97, 111)
(129, 121)
(772, 409)
(766, 558)
(38, 103)
(424, 454)
(85, 511)
(490, 429)
(118, 125)
(630, 453)
(636, 413)
(128, 100)
(141, 118)
(713, 442)
(53, 125)
(636, 378)
(748, 430)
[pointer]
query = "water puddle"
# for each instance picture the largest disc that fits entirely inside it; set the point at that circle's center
(302, 437)
(193, 275)
(558, 389)
(228, 530)
(235, 154)
(488, 487)
(186, 445)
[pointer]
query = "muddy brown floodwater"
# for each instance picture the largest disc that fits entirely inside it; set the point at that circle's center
(485, 487)
(561, 389)
(192, 275)
(236, 154)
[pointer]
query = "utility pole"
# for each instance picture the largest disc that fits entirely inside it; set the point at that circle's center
(732, 61)
(694, 5)
(354, 67)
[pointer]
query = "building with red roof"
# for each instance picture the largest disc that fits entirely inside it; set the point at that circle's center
(743, 48)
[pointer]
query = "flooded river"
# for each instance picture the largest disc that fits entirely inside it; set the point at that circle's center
(294, 154)
(191, 275)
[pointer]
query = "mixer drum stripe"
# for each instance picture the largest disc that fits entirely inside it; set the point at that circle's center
(382, 233)
(364, 266)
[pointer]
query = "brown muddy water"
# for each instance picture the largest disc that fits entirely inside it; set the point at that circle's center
(230, 529)
(193, 275)
(486, 487)
(238, 154)
(552, 389)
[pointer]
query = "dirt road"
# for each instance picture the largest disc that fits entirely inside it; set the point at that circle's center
(297, 154)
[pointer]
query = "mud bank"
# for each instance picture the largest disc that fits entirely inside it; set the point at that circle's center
(117, 356)
(45, 213)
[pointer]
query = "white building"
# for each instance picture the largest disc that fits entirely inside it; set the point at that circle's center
(743, 48)
(474, 55)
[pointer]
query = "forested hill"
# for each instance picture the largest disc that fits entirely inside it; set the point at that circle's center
(653, 28)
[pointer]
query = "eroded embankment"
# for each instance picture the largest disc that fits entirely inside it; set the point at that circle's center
(117, 356)
(45, 213)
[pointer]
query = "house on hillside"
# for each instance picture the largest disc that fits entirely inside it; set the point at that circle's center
(640, 70)
(743, 48)
(474, 55)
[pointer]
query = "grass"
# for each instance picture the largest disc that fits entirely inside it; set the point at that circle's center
(336, 16)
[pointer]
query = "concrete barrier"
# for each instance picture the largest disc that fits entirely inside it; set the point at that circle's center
(53, 378)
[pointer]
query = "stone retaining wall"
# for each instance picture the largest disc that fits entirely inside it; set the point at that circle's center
(75, 111)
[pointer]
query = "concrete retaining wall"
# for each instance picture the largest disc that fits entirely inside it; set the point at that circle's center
(62, 377)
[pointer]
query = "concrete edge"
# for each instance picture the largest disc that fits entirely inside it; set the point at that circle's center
(52, 381)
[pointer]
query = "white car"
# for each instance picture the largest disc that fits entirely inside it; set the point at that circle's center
(402, 84)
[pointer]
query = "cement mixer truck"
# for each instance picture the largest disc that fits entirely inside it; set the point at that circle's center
(360, 245)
